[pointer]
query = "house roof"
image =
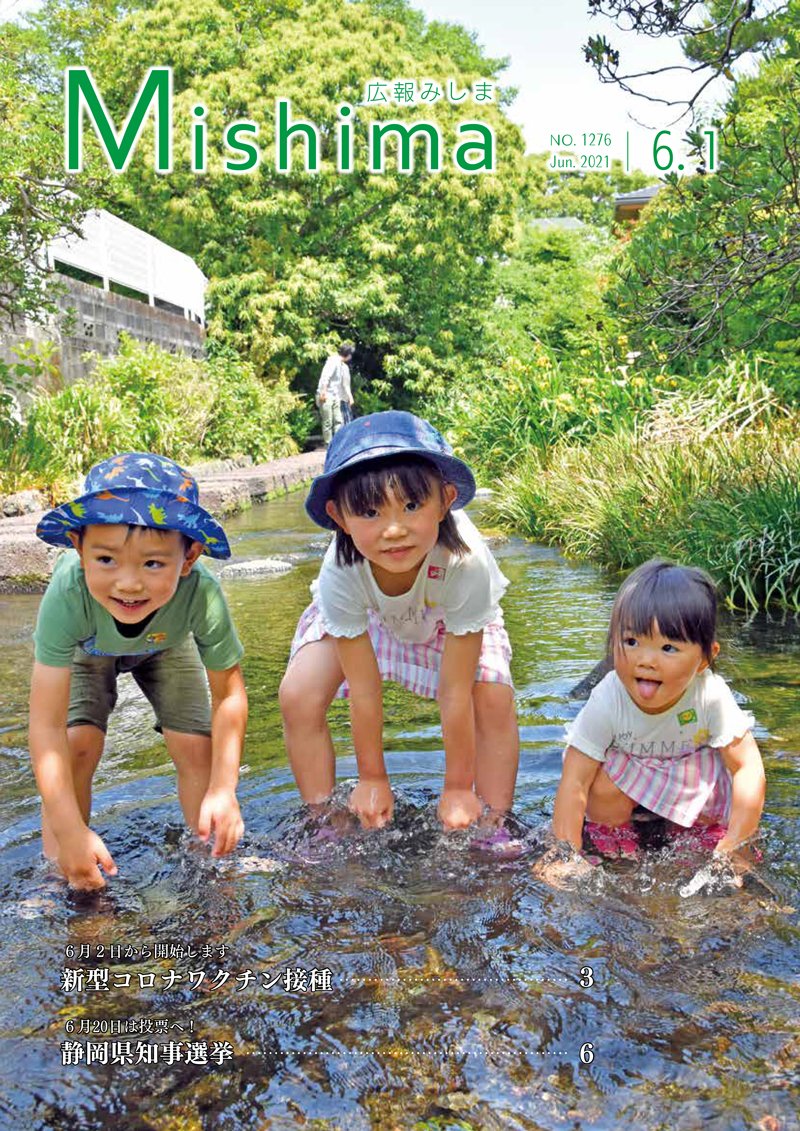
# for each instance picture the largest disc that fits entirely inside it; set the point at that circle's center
(639, 196)
(557, 222)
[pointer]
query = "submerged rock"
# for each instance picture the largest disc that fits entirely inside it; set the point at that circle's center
(584, 689)
(258, 567)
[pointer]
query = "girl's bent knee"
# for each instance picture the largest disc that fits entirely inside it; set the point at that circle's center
(603, 789)
(606, 803)
(299, 703)
(494, 701)
(290, 697)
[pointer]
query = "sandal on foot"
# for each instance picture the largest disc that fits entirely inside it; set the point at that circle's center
(498, 842)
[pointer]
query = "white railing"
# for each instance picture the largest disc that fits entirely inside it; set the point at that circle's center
(119, 253)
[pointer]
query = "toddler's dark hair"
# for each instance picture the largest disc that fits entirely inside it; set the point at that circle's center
(682, 600)
(366, 486)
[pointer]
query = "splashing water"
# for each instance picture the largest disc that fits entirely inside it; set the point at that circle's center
(325, 976)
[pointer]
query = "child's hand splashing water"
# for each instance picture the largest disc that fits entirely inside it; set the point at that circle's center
(560, 864)
(459, 808)
(726, 868)
(716, 874)
(372, 801)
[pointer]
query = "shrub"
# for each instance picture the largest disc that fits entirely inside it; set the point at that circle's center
(147, 399)
(495, 418)
(246, 417)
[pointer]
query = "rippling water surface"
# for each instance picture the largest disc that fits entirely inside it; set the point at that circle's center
(324, 977)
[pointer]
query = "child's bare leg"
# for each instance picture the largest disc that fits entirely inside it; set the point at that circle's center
(191, 754)
(306, 692)
(85, 750)
(607, 804)
(496, 744)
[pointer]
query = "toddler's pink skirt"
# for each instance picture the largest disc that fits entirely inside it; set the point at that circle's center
(681, 789)
(415, 666)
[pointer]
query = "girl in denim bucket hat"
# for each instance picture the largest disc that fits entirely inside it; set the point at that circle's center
(409, 592)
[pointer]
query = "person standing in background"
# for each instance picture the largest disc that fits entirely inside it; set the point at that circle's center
(334, 398)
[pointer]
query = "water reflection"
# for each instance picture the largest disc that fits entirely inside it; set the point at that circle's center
(453, 995)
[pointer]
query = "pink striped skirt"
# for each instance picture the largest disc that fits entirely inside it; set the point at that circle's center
(684, 789)
(415, 666)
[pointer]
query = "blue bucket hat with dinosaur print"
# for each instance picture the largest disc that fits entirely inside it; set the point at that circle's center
(137, 489)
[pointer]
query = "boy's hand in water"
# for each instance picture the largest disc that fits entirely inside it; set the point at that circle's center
(459, 808)
(219, 813)
(372, 801)
(81, 856)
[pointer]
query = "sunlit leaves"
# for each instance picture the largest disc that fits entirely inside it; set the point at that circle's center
(296, 261)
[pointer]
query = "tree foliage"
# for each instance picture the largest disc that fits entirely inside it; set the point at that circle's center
(588, 197)
(37, 201)
(716, 264)
(714, 34)
(399, 262)
(551, 291)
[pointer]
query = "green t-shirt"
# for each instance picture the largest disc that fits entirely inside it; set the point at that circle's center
(69, 616)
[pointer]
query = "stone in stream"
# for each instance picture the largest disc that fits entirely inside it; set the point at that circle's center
(22, 502)
(257, 567)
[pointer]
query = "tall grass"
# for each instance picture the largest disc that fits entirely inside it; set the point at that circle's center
(492, 417)
(496, 417)
(726, 500)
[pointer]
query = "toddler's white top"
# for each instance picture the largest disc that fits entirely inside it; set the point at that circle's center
(706, 715)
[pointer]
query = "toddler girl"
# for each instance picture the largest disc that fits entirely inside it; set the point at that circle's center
(661, 730)
(409, 592)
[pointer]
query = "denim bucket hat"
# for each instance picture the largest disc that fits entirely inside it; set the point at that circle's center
(137, 489)
(377, 436)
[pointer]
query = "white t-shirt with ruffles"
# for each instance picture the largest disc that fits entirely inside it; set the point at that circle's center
(706, 716)
(462, 593)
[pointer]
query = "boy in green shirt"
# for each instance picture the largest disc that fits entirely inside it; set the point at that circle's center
(132, 596)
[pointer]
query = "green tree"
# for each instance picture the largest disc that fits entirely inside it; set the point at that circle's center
(716, 263)
(588, 197)
(402, 263)
(37, 201)
(551, 290)
(714, 35)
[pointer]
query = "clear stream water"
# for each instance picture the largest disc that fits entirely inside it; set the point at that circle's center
(395, 979)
